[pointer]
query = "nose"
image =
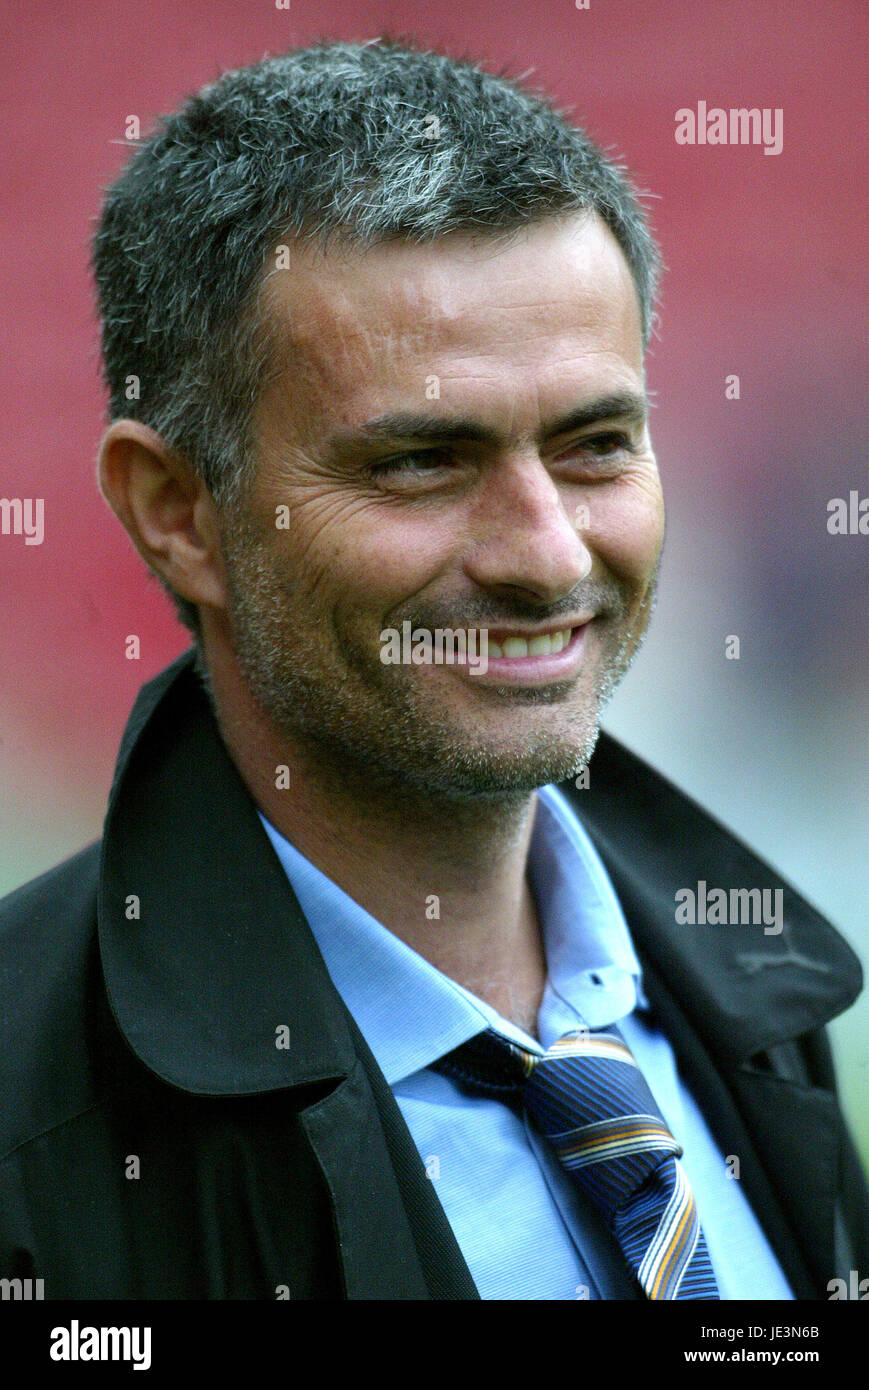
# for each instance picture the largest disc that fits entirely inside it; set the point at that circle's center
(524, 534)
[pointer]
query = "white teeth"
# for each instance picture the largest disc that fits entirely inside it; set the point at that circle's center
(546, 644)
(515, 646)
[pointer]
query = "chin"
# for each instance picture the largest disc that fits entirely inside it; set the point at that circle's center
(514, 769)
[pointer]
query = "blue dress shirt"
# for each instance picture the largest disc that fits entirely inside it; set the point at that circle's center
(523, 1228)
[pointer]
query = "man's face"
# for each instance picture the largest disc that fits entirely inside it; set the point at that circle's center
(519, 496)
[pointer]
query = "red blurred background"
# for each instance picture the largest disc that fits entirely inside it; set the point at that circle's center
(763, 280)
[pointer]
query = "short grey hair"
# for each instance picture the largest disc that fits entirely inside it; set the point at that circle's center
(331, 139)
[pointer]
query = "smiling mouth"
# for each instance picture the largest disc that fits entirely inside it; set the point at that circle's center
(494, 656)
(536, 659)
(516, 647)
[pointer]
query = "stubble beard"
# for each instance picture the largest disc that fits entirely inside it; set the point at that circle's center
(355, 720)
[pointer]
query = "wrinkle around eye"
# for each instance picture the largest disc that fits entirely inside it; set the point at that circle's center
(413, 472)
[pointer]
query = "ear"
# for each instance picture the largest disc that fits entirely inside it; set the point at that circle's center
(166, 508)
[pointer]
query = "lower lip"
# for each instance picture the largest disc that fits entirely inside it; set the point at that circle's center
(534, 670)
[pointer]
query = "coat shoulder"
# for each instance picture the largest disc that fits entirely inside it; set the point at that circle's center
(47, 949)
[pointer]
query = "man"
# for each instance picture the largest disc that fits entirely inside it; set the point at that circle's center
(385, 316)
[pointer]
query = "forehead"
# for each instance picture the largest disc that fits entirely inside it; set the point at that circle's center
(547, 309)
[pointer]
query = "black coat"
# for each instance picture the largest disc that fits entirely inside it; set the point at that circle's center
(156, 1143)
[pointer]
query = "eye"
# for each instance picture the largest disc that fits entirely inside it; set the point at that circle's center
(610, 447)
(418, 463)
(605, 444)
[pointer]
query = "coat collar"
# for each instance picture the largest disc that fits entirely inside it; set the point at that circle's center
(743, 990)
(220, 955)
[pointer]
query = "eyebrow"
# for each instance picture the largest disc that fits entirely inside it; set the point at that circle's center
(440, 429)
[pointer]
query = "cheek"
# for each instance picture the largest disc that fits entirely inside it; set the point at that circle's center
(627, 530)
(395, 557)
(364, 556)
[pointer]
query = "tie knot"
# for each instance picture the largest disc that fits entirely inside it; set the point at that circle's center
(491, 1064)
(587, 1085)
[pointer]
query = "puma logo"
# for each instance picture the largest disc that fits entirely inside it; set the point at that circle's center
(752, 961)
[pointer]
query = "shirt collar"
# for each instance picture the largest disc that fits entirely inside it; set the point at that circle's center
(410, 1013)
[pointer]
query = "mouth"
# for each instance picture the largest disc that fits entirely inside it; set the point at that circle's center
(531, 659)
(515, 646)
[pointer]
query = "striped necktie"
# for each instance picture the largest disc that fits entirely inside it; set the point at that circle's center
(588, 1098)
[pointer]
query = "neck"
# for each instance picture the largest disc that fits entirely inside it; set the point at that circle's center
(446, 876)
